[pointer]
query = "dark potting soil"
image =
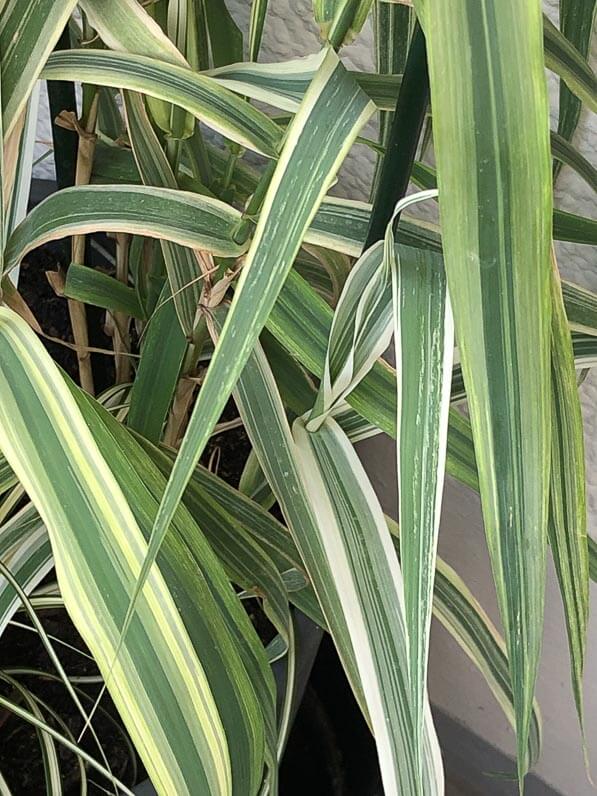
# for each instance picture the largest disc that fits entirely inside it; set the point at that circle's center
(21, 762)
(51, 312)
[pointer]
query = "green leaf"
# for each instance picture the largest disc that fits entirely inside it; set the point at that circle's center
(29, 29)
(162, 355)
(333, 111)
(393, 29)
(576, 24)
(343, 596)
(257, 22)
(574, 228)
(301, 321)
(218, 625)
(358, 551)
(198, 94)
(581, 308)
(198, 222)
(47, 746)
(340, 20)
(566, 226)
(568, 511)
(424, 343)
(360, 332)
(125, 25)
(181, 264)
(342, 224)
(566, 153)
(490, 115)
(94, 287)
(464, 618)
(562, 57)
(25, 550)
(592, 544)
(283, 84)
(177, 657)
(238, 545)
(225, 37)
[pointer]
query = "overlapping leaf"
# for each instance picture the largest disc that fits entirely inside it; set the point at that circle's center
(333, 111)
(201, 96)
(160, 684)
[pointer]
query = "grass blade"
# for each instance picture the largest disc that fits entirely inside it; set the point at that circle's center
(358, 550)
(162, 356)
(25, 550)
(181, 264)
(265, 421)
(360, 332)
(257, 22)
(94, 287)
(564, 152)
(284, 83)
(393, 30)
(301, 322)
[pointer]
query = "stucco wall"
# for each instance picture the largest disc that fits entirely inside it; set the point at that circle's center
(455, 685)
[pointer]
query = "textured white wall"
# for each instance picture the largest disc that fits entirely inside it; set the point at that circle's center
(454, 682)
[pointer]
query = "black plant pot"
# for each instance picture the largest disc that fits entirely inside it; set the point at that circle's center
(330, 750)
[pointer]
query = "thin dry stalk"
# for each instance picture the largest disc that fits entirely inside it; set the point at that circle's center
(77, 312)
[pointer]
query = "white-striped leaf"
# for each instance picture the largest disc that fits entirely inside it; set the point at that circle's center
(340, 20)
(341, 224)
(424, 345)
(256, 25)
(25, 551)
(265, 421)
(198, 94)
(125, 25)
(490, 115)
(29, 29)
(360, 333)
(181, 264)
(568, 510)
(301, 321)
(187, 219)
(158, 683)
(359, 553)
(334, 109)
